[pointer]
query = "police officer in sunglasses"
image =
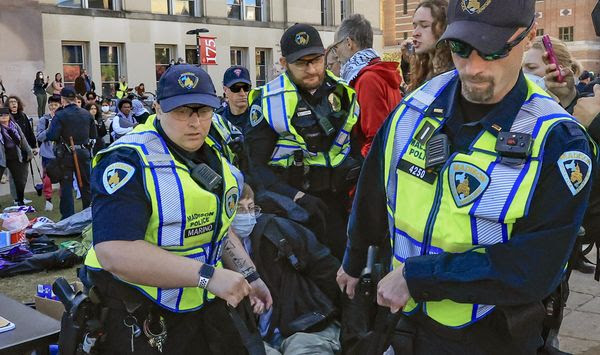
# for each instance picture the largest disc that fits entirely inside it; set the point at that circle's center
(236, 86)
(483, 180)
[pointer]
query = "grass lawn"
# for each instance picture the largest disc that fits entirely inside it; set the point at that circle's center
(23, 287)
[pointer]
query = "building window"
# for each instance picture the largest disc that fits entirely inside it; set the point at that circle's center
(326, 10)
(262, 60)
(565, 34)
(405, 7)
(73, 62)
(251, 10)
(90, 4)
(191, 55)
(405, 34)
(346, 8)
(539, 32)
(162, 58)
(175, 7)
(237, 56)
(110, 68)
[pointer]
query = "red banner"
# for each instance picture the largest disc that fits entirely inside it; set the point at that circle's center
(208, 51)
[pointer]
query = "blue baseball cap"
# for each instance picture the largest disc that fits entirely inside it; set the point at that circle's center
(68, 92)
(185, 84)
(487, 25)
(236, 74)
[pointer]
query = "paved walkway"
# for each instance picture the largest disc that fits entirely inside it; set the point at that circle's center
(580, 331)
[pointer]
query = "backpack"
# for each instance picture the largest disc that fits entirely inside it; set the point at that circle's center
(300, 273)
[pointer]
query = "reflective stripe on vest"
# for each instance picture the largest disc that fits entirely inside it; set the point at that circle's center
(434, 218)
(224, 129)
(186, 220)
(279, 102)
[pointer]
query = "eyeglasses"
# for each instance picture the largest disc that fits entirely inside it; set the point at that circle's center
(305, 63)
(238, 88)
(464, 50)
(188, 111)
(254, 211)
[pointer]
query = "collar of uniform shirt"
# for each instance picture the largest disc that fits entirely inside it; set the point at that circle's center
(503, 114)
(326, 88)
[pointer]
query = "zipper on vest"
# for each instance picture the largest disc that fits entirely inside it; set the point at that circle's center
(435, 208)
(327, 159)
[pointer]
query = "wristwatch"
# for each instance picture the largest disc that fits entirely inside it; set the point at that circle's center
(206, 272)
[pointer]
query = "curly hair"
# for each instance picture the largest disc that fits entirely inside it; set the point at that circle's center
(427, 65)
(20, 105)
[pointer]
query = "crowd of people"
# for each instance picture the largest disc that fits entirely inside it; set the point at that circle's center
(352, 204)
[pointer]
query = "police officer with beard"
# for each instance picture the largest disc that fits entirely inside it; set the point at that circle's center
(299, 135)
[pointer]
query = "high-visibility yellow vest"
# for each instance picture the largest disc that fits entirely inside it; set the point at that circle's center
(225, 130)
(473, 201)
(186, 219)
(122, 90)
(279, 99)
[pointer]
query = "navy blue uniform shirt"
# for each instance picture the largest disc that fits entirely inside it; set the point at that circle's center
(72, 121)
(525, 269)
(240, 121)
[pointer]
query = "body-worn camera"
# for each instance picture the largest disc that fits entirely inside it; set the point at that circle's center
(514, 148)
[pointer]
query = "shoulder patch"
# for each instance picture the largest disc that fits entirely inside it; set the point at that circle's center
(256, 115)
(231, 200)
(576, 169)
(116, 175)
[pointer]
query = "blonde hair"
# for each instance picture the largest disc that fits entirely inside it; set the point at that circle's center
(561, 51)
(247, 192)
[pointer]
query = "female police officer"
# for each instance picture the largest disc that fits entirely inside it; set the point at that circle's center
(163, 203)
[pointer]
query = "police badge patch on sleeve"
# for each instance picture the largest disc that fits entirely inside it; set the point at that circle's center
(256, 115)
(576, 169)
(116, 175)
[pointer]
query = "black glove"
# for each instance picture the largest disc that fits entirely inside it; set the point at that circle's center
(317, 209)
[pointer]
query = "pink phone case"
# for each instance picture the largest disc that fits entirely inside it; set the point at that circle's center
(551, 56)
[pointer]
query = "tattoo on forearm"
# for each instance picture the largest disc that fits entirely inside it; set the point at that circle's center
(241, 263)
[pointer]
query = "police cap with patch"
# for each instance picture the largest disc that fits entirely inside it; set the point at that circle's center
(185, 84)
(300, 40)
(487, 25)
(236, 74)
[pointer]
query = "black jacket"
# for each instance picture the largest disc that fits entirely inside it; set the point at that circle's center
(301, 276)
(72, 121)
(23, 121)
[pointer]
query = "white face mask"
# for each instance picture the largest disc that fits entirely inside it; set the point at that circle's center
(538, 80)
(105, 109)
(243, 224)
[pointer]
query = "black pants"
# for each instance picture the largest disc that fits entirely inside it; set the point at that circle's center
(337, 221)
(19, 173)
(418, 334)
(67, 206)
(206, 331)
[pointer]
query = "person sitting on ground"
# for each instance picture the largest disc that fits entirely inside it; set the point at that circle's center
(303, 318)
(139, 112)
(124, 122)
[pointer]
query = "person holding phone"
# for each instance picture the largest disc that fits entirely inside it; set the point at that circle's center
(39, 90)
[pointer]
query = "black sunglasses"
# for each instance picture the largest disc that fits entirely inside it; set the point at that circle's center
(464, 50)
(238, 88)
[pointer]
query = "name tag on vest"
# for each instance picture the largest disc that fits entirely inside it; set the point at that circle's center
(417, 171)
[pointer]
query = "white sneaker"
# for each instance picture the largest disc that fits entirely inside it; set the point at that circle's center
(26, 201)
(49, 206)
